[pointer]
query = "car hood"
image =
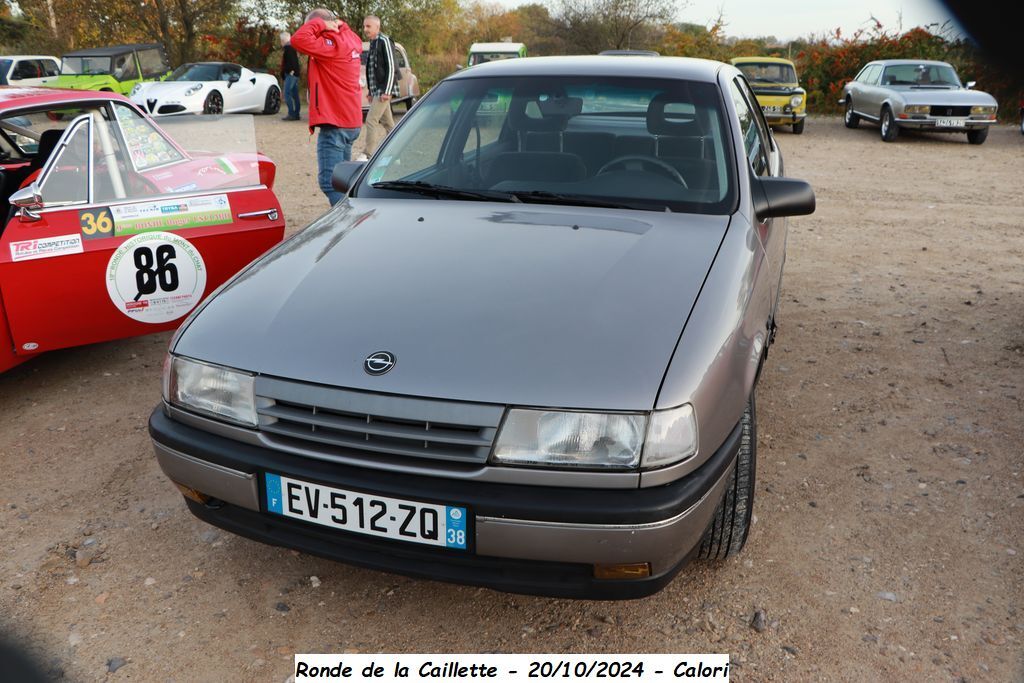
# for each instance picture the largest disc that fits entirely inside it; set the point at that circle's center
(942, 96)
(498, 303)
(169, 88)
(83, 82)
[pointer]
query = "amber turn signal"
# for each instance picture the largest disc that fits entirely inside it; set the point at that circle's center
(635, 570)
(192, 494)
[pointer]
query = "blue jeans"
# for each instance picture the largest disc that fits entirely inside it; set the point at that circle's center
(291, 95)
(333, 145)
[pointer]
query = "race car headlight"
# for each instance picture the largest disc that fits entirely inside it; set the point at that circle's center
(671, 437)
(135, 90)
(211, 389)
(548, 438)
(193, 89)
(983, 109)
(796, 100)
(916, 109)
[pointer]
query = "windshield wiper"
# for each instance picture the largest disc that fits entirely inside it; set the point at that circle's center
(432, 190)
(544, 197)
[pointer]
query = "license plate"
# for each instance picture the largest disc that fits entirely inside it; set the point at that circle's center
(772, 108)
(363, 513)
(950, 123)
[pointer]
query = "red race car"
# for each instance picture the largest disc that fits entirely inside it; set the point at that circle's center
(111, 229)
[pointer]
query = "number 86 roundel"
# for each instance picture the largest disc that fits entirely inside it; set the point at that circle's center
(156, 277)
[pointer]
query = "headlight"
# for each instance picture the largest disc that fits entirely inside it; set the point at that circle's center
(135, 90)
(796, 100)
(917, 109)
(193, 89)
(983, 109)
(564, 439)
(217, 391)
(671, 437)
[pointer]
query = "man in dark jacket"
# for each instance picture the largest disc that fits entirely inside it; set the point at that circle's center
(381, 84)
(290, 73)
(335, 105)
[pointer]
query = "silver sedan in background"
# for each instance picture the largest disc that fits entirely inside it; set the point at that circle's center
(917, 94)
(521, 352)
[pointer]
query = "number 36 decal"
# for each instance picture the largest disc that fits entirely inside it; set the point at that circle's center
(156, 277)
(96, 223)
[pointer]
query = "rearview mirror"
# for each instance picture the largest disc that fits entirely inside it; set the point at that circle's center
(344, 174)
(778, 197)
(28, 200)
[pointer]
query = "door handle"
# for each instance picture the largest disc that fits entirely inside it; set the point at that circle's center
(269, 213)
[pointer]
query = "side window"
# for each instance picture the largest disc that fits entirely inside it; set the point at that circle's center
(153, 63)
(23, 69)
(400, 58)
(146, 146)
(67, 180)
(51, 68)
(755, 107)
(752, 143)
(124, 67)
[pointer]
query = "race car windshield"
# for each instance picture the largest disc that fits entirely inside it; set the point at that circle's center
(83, 66)
(636, 143)
(768, 72)
(196, 72)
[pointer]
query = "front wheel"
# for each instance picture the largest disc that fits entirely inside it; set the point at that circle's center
(850, 119)
(888, 128)
(730, 524)
(977, 136)
(214, 103)
(798, 127)
(272, 103)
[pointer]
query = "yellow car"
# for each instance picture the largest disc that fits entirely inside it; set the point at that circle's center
(773, 80)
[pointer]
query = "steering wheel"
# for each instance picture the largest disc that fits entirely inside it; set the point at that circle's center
(634, 161)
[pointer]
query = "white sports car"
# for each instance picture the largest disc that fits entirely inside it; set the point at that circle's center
(210, 88)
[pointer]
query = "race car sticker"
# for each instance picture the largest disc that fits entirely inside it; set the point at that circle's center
(46, 247)
(96, 223)
(171, 214)
(156, 277)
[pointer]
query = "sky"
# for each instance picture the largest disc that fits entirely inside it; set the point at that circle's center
(789, 19)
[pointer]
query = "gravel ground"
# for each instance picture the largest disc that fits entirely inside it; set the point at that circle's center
(888, 536)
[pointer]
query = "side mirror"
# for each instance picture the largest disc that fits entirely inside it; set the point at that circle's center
(778, 197)
(28, 200)
(344, 173)
(971, 84)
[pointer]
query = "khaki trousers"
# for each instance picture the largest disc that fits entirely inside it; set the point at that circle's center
(379, 122)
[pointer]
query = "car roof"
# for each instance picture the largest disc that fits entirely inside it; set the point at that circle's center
(680, 68)
(17, 96)
(760, 60)
(894, 62)
(112, 50)
(496, 47)
(29, 57)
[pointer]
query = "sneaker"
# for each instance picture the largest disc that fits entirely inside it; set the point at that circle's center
(290, 118)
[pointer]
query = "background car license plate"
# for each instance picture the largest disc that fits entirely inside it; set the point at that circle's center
(403, 520)
(773, 108)
(950, 123)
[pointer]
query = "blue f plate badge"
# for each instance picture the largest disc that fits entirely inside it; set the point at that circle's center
(363, 513)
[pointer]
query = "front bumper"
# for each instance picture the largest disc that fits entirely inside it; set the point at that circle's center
(932, 124)
(526, 539)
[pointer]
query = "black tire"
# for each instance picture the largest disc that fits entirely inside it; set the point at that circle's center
(731, 522)
(798, 127)
(850, 119)
(214, 103)
(977, 136)
(272, 103)
(887, 127)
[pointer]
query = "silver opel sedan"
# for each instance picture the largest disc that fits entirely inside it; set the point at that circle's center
(917, 94)
(520, 353)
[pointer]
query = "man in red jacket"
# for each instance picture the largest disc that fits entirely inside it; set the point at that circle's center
(336, 100)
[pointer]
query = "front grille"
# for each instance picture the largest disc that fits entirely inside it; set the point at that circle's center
(945, 110)
(353, 423)
(171, 109)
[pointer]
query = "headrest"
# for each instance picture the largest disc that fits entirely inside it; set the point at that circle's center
(671, 114)
(48, 140)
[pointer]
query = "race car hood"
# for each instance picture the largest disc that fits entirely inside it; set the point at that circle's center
(500, 303)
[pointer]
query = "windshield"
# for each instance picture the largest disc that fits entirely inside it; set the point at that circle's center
(196, 72)
(482, 57)
(85, 65)
(768, 72)
(920, 75)
(625, 142)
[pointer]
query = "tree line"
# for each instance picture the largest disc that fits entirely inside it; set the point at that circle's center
(438, 33)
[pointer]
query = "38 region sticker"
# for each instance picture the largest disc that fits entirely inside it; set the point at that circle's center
(156, 277)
